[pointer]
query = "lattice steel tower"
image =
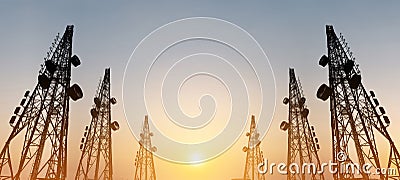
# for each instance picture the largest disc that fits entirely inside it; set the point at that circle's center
(144, 158)
(355, 120)
(96, 158)
(302, 142)
(44, 115)
(254, 155)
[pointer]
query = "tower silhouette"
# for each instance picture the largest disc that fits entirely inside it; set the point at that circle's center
(302, 143)
(96, 157)
(254, 155)
(44, 115)
(144, 158)
(355, 120)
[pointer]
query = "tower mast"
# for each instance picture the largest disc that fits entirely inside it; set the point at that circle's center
(254, 155)
(302, 143)
(96, 156)
(355, 119)
(44, 115)
(144, 158)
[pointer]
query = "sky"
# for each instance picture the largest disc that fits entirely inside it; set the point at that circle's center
(291, 33)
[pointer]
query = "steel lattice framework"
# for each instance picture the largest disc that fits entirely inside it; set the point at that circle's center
(144, 158)
(355, 120)
(302, 143)
(96, 157)
(45, 117)
(254, 155)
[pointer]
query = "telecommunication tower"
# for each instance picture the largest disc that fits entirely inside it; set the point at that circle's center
(96, 158)
(254, 155)
(302, 142)
(144, 158)
(355, 119)
(44, 115)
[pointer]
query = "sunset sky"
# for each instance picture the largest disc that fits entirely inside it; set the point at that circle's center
(291, 33)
